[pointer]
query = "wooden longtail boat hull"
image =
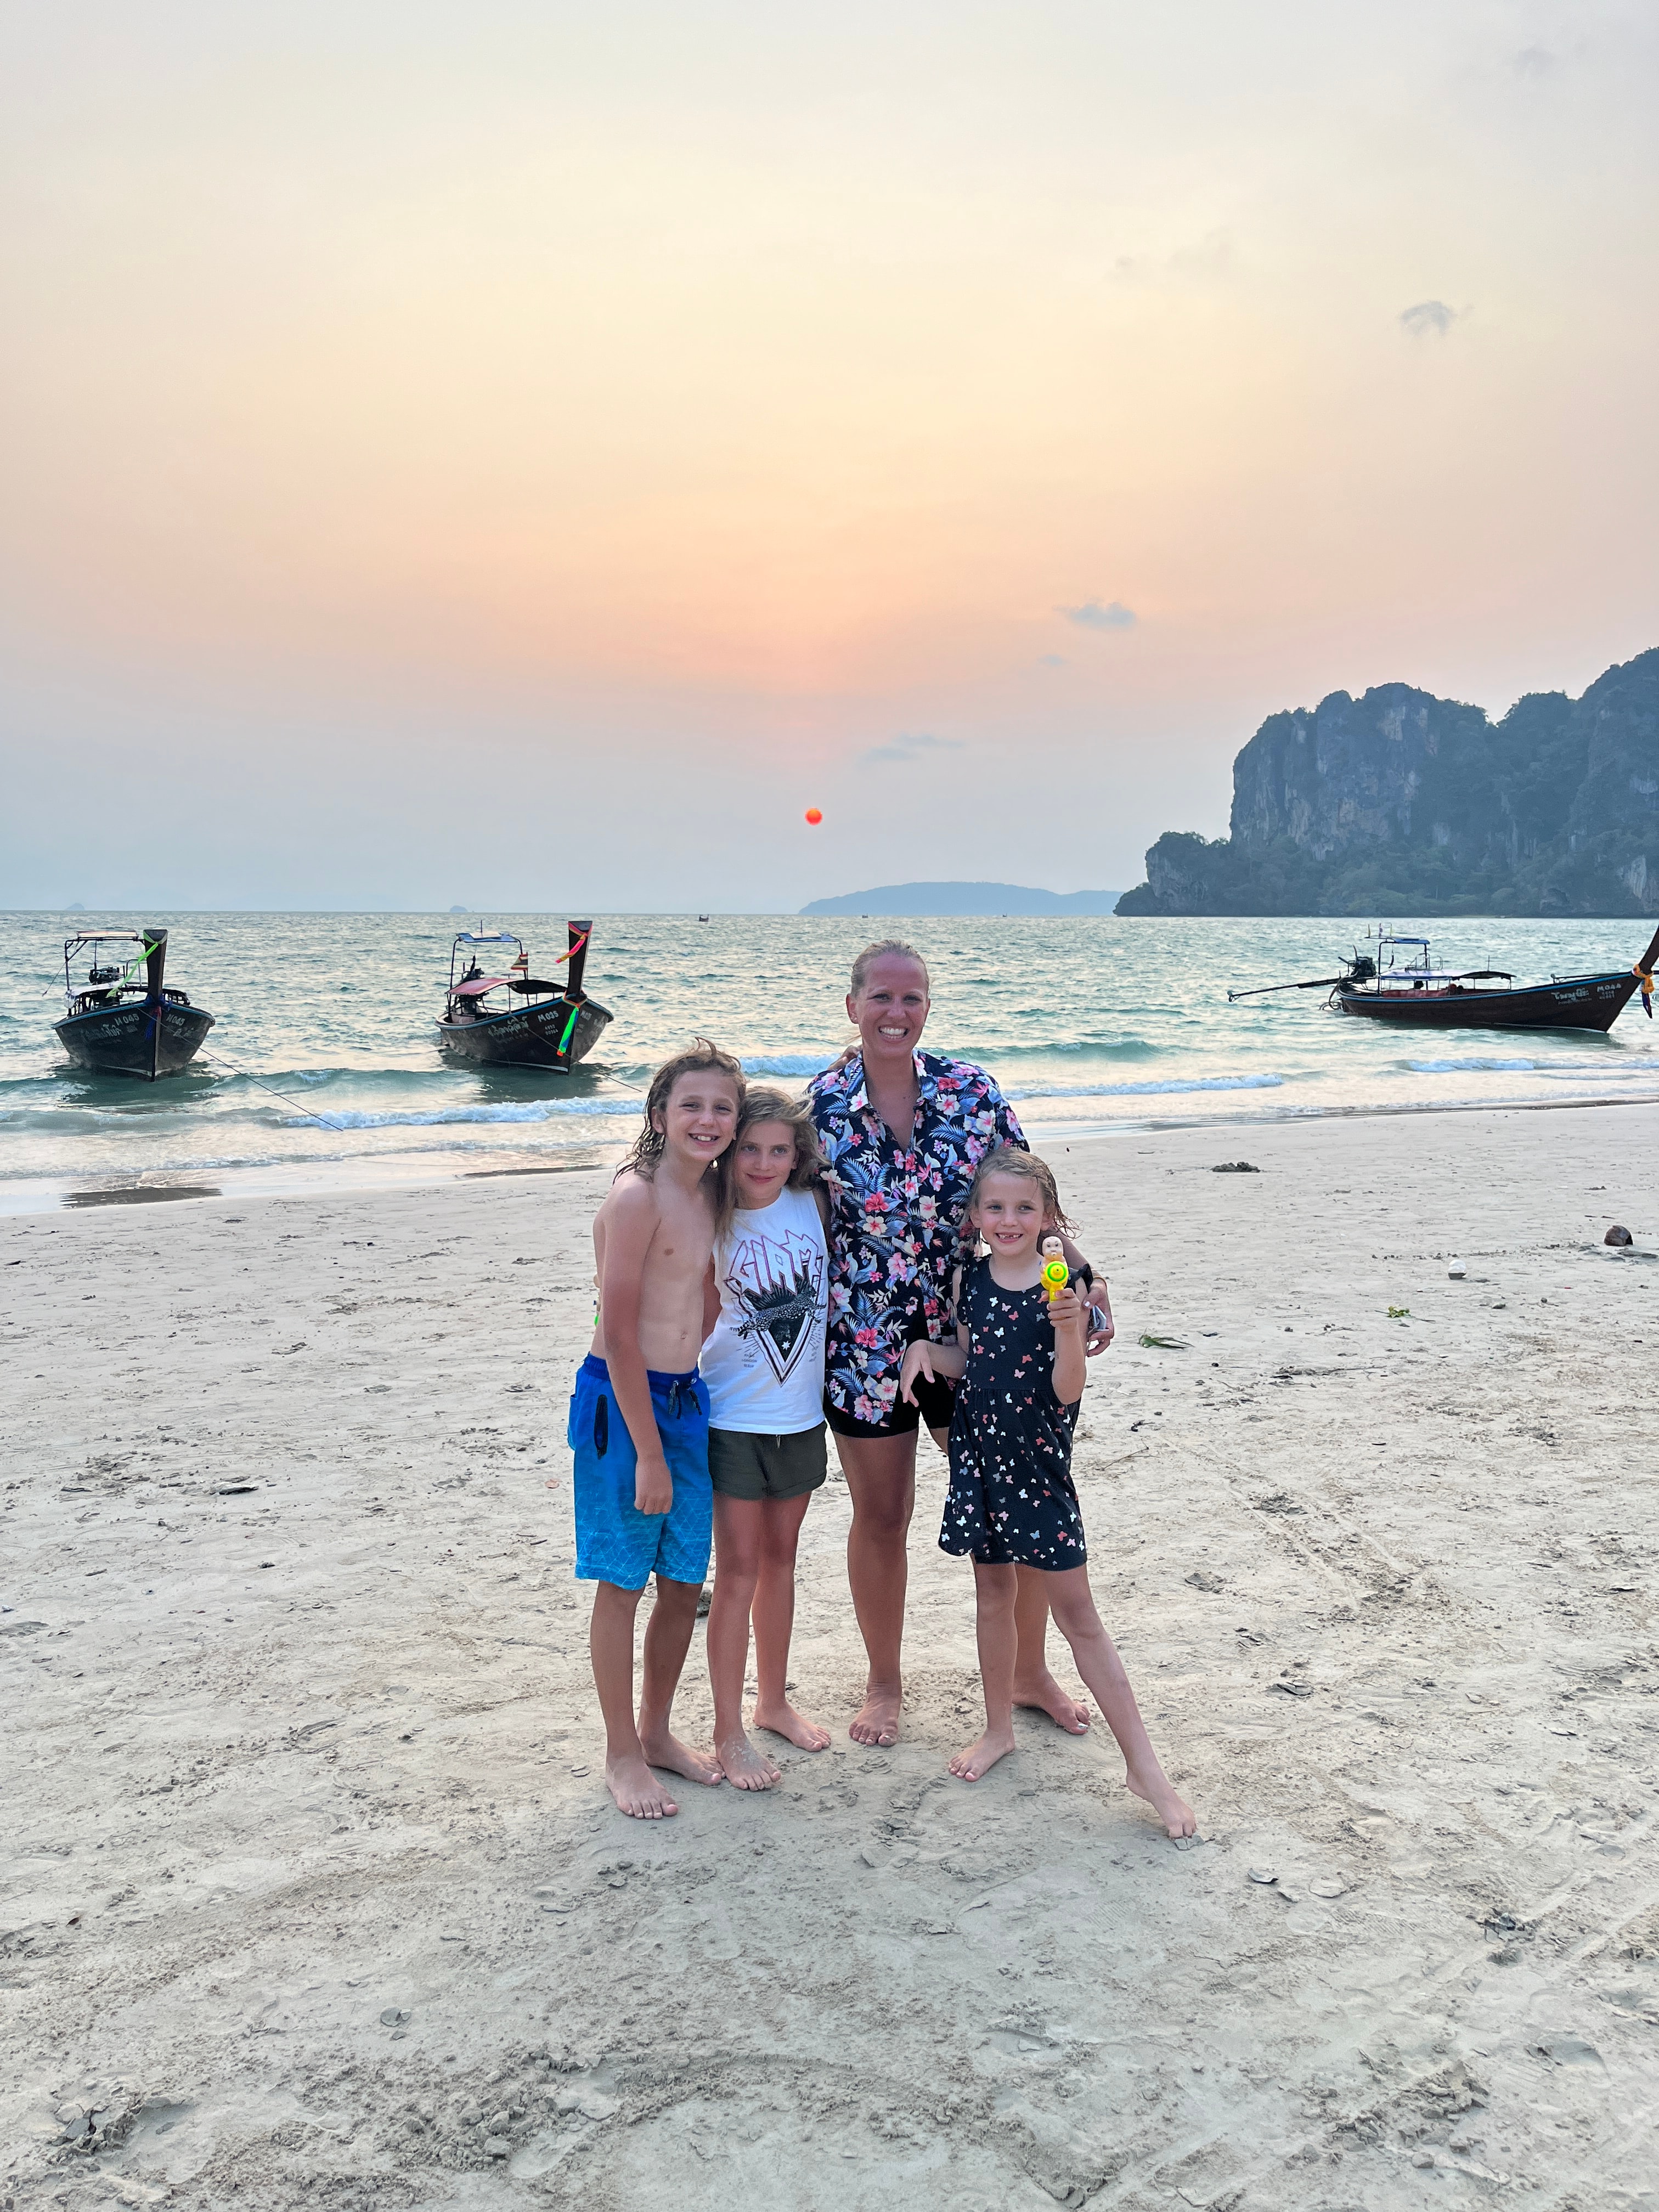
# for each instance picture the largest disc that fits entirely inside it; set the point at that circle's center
(1581, 1002)
(526, 1036)
(123, 1040)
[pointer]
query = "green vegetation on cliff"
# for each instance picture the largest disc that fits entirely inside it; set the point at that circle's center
(1401, 802)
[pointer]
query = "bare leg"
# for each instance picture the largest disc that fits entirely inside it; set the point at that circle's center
(737, 1562)
(881, 1474)
(994, 1588)
(1034, 1684)
(667, 1640)
(774, 1622)
(611, 1644)
(1098, 1663)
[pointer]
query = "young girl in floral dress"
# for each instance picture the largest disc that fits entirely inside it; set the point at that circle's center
(1019, 1362)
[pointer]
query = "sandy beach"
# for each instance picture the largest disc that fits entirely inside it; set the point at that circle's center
(313, 1895)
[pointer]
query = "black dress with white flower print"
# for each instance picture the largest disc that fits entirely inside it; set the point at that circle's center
(1010, 1501)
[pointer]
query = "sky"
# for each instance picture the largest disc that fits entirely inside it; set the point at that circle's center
(524, 455)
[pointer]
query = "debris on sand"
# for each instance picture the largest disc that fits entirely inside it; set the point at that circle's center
(1233, 1167)
(1618, 1234)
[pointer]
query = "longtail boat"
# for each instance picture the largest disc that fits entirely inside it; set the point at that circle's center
(1384, 987)
(537, 1024)
(119, 1023)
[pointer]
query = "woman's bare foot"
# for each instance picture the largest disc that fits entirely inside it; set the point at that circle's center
(667, 1751)
(743, 1766)
(1155, 1788)
(877, 1720)
(636, 1789)
(1045, 1695)
(783, 1720)
(980, 1757)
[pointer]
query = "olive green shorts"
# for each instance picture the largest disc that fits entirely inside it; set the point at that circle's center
(744, 1466)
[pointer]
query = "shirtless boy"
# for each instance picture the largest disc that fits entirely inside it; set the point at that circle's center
(639, 1418)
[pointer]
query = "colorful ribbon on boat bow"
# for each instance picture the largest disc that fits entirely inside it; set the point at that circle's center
(1645, 976)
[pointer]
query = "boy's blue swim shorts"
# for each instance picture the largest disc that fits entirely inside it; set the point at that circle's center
(615, 1541)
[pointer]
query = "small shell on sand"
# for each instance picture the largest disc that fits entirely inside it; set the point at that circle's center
(1618, 1234)
(1263, 1874)
(1456, 1270)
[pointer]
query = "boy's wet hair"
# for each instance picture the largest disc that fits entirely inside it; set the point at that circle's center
(704, 1057)
(796, 1115)
(871, 953)
(1012, 1160)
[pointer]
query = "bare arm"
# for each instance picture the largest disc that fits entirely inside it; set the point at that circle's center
(627, 1239)
(711, 1303)
(932, 1360)
(1067, 1314)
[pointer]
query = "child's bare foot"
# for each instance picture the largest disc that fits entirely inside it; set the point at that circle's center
(1044, 1695)
(877, 1720)
(636, 1789)
(667, 1751)
(743, 1766)
(980, 1757)
(783, 1720)
(1154, 1787)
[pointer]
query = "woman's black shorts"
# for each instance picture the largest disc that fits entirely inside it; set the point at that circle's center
(935, 1403)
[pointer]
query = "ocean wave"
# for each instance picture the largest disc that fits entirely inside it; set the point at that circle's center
(539, 1110)
(1473, 1065)
(1067, 1048)
(788, 1063)
(1173, 1082)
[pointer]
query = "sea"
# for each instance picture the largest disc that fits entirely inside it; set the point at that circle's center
(325, 1069)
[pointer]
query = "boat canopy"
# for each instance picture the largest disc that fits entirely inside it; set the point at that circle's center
(479, 985)
(486, 936)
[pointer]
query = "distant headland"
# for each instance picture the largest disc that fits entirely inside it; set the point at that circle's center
(943, 899)
(1401, 803)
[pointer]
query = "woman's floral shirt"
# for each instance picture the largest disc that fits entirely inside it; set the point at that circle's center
(895, 1212)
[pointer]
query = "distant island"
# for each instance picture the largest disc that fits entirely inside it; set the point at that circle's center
(1399, 803)
(964, 898)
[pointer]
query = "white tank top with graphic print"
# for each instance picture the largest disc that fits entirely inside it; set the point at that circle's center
(764, 1362)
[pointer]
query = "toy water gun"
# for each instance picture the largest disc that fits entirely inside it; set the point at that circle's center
(1057, 1275)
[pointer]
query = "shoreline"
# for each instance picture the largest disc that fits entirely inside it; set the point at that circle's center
(365, 1174)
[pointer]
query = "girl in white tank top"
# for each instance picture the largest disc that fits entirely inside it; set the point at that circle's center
(763, 1364)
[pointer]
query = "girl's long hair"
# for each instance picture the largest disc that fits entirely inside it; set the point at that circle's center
(796, 1115)
(704, 1057)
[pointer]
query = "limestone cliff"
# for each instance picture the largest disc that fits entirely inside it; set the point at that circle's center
(1401, 802)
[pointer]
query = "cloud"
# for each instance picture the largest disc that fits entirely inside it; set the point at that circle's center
(1534, 61)
(1051, 660)
(912, 747)
(1092, 615)
(1428, 318)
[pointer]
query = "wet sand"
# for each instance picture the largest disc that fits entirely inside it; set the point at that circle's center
(313, 1895)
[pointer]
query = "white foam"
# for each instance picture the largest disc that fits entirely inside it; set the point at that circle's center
(1466, 1066)
(541, 1109)
(788, 1063)
(1148, 1090)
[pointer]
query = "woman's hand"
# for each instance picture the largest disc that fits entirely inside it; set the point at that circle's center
(1102, 1328)
(918, 1360)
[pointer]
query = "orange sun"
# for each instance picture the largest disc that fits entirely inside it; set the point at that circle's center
(815, 815)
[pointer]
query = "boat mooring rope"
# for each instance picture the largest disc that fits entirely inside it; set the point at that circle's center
(311, 1113)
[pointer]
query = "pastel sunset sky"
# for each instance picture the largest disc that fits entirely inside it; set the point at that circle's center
(526, 453)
